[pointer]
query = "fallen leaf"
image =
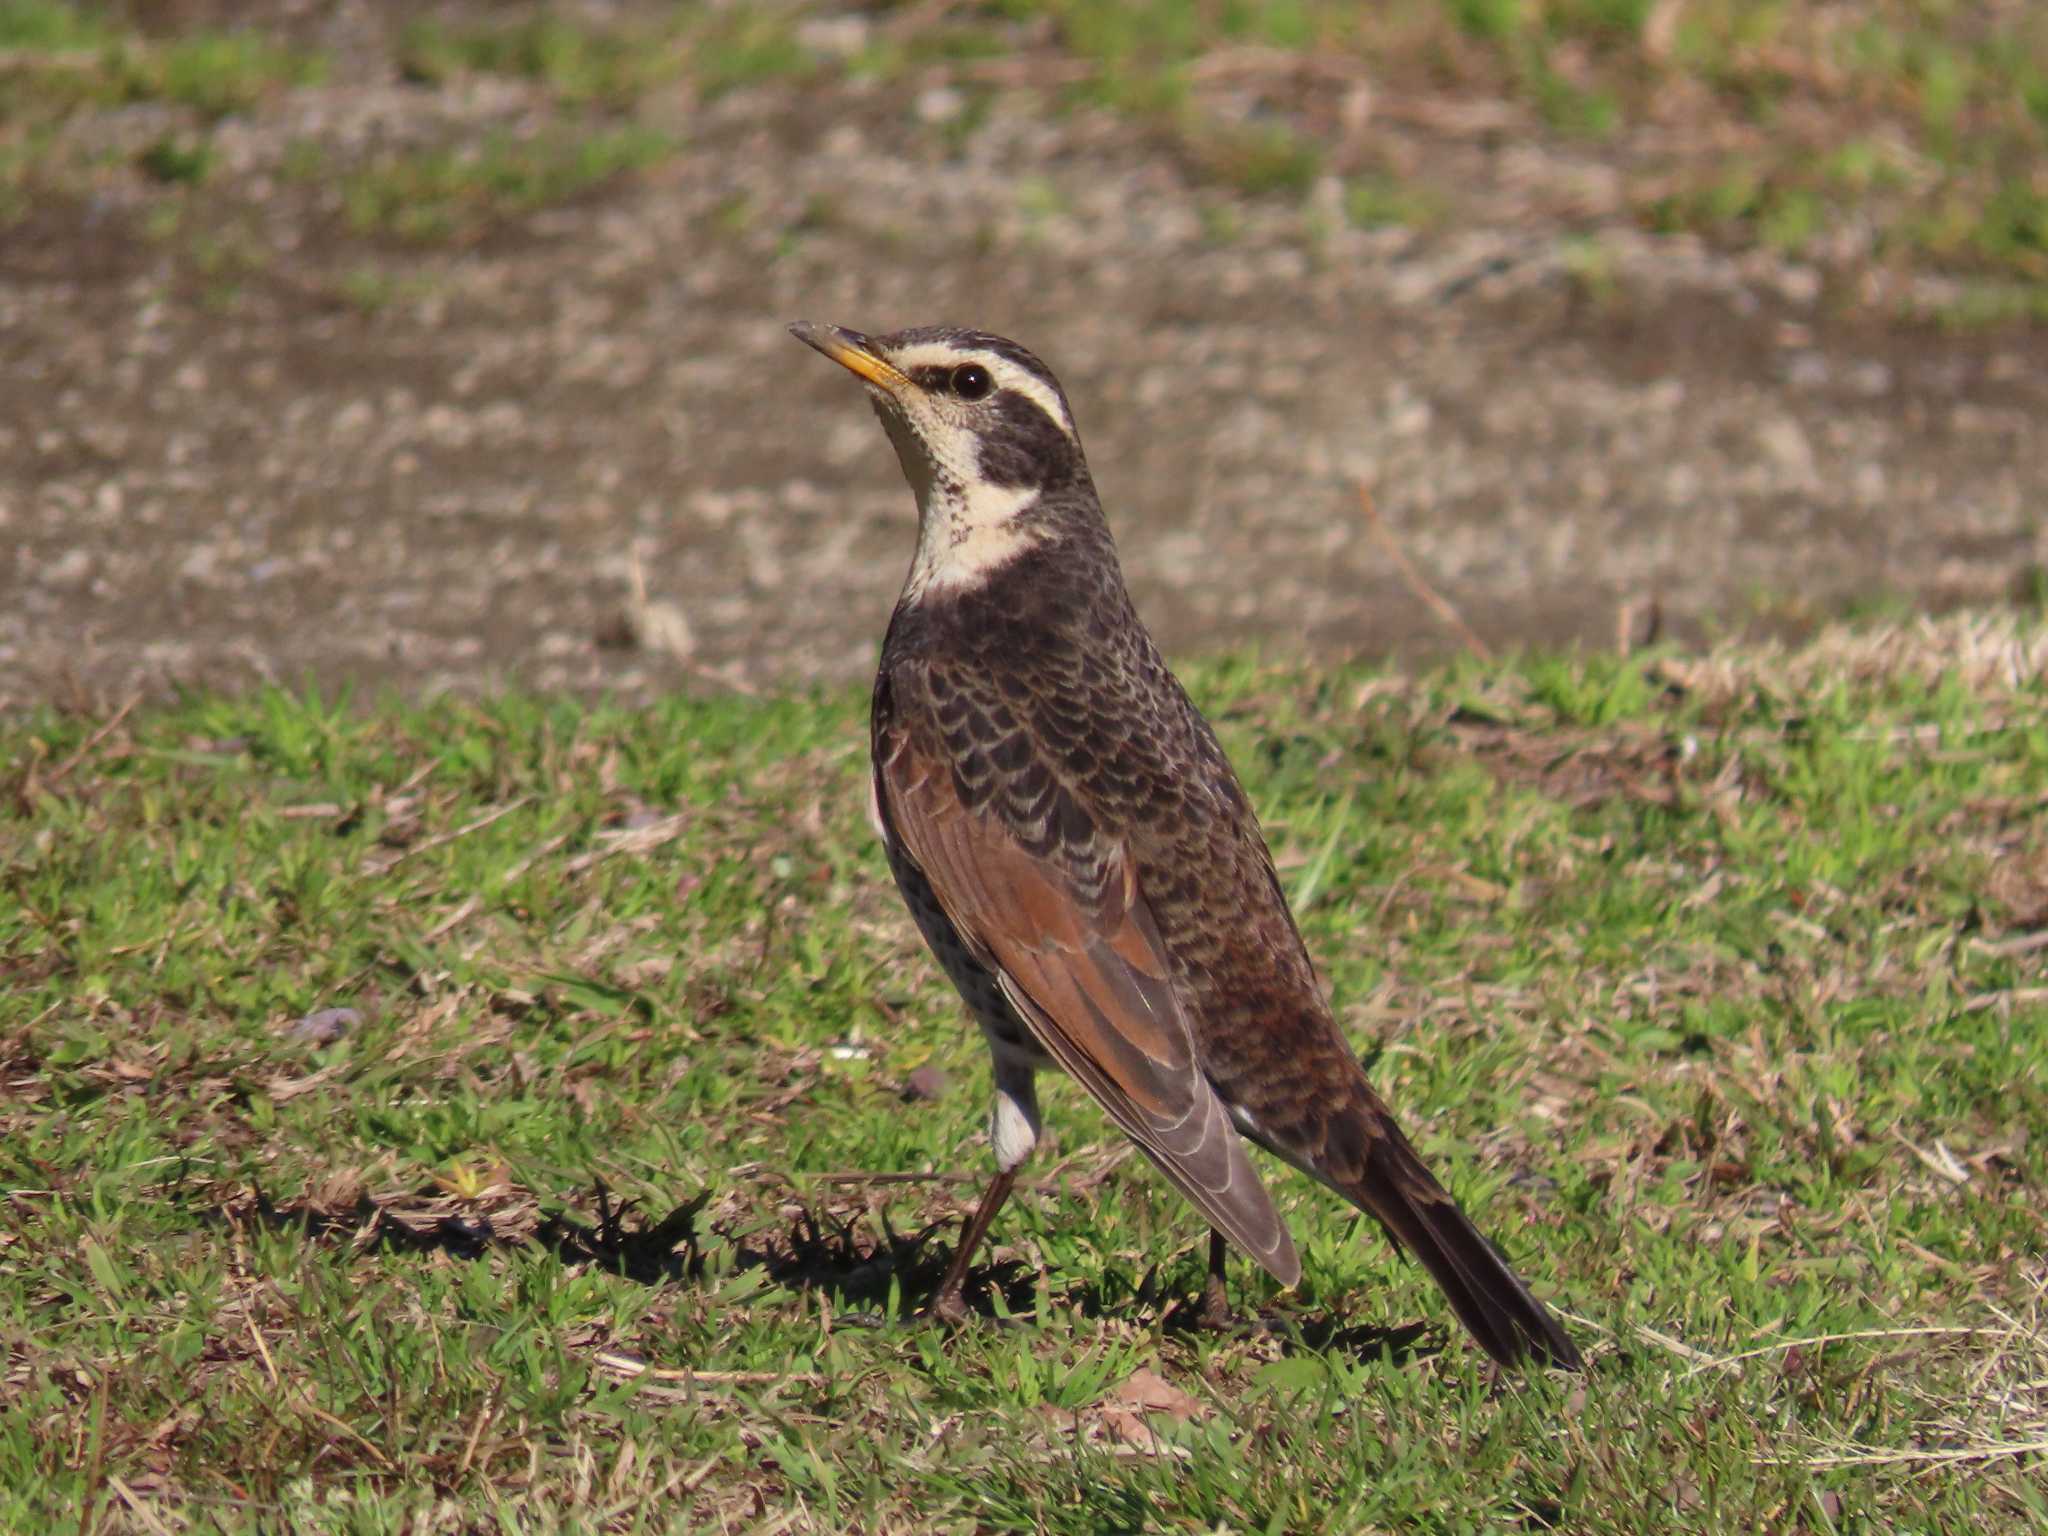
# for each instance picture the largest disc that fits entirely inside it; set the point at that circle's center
(1146, 1391)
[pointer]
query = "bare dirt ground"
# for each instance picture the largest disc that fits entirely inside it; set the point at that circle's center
(210, 479)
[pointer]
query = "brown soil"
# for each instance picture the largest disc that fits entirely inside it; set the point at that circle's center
(216, 468)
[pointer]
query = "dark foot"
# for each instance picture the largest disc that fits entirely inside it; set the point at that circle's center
(1214, 1313)
(949, 1306)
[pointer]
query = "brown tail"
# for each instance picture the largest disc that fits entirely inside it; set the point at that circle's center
(1420, 1216)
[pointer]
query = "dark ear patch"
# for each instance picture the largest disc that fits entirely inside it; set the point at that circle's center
(1021, 445)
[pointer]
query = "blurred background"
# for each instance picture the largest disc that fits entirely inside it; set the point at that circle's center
(443, 344)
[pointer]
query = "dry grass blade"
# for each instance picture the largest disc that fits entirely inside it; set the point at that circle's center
(138, 1508)
(1998, 1411)
(630, 841)
(262, 1349)
(1995, 654)
(632, 1369)
(92, 742)
(2010, 997)
(2017, 944)
(443, 839)
(1431, 598)
(1700, 1358)
(1907, 1457)
(1728, 1362)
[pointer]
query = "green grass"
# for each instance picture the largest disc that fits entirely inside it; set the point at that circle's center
(437, 195)
(1991, 306)
(1711, 986)
(1375, 202)
(576, 63)
(46, 25)
(63, 57)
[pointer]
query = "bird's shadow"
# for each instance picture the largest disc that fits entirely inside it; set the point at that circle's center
(664, 1251)
(877, 1279)
(1400, 1346)
(370, 1227)
(874, 1278)
(891, 1276)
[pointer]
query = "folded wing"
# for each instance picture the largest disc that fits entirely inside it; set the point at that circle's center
(1082, 962)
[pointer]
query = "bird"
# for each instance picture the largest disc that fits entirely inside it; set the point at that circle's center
(1083, 863)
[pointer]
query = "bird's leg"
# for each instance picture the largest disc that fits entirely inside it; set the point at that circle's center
(1012, 1133)
(949, 1303)
(1215, 1309)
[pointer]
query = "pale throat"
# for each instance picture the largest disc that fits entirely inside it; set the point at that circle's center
(967, 527)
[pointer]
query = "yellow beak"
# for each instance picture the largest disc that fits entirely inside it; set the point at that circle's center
(851, 351)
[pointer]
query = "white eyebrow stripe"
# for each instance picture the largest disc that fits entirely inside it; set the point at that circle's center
(939, 354)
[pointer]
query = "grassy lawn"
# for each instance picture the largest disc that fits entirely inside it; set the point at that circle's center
(1713, 986)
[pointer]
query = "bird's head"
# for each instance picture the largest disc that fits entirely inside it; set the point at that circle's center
(985, 437)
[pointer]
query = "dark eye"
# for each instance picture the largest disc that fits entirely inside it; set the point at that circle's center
(971, 382)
